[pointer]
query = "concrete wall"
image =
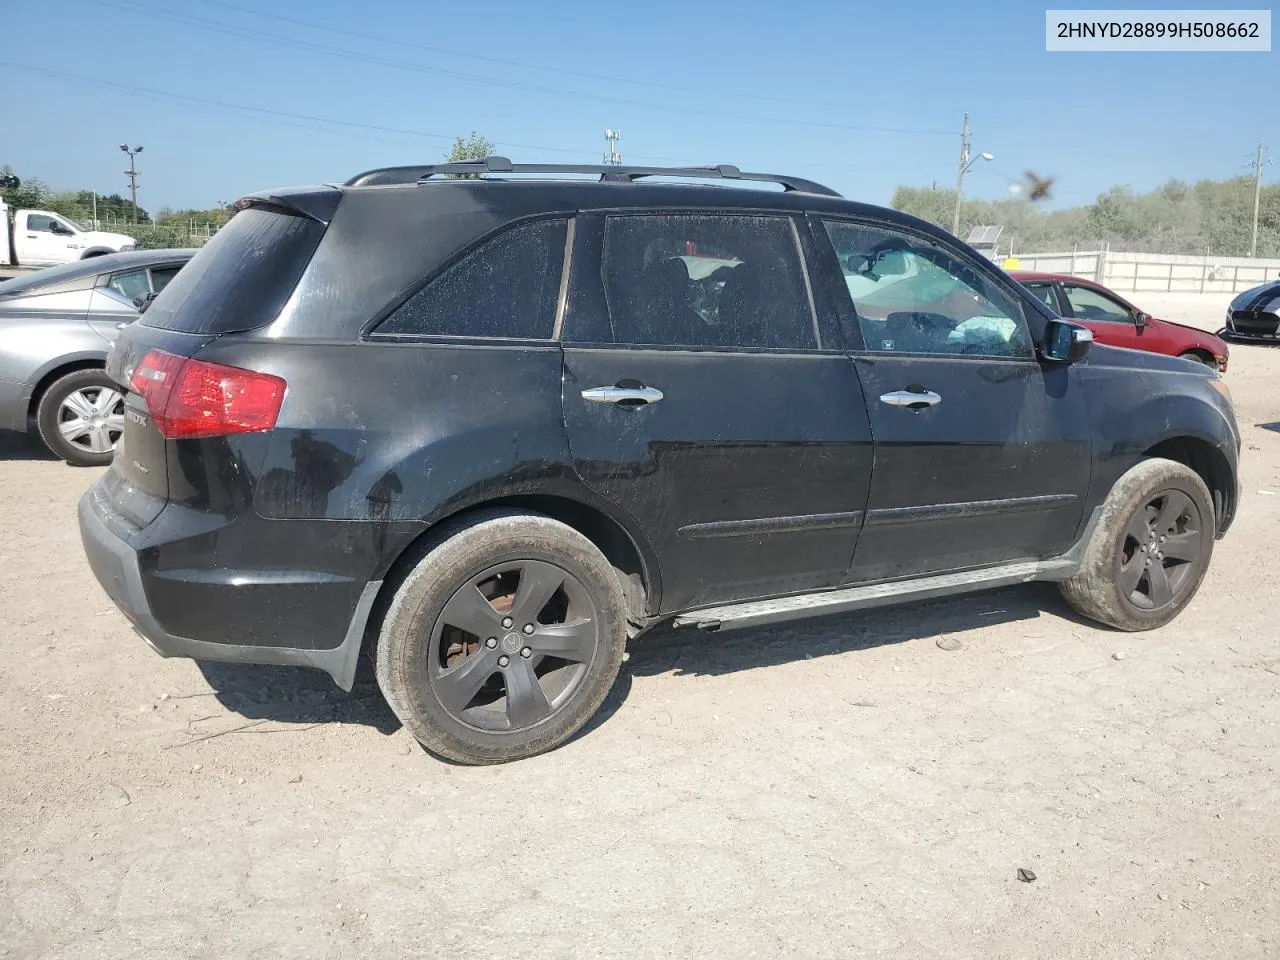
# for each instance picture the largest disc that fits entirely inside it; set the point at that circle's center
(1154, 272)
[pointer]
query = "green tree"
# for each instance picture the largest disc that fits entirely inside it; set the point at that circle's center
(474, 147)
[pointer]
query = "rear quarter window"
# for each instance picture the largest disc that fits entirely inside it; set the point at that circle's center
(241, 278)
(504, 289)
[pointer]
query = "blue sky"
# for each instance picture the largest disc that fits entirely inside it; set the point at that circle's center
(866, 96)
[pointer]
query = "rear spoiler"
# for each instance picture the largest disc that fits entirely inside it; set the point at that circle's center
(314, 203)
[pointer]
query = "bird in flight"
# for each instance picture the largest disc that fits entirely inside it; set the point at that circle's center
(1038, 186)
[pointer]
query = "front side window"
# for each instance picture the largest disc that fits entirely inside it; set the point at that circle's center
(706, 281)
(1088, 304)
(129, 285)
(913, 296)
(505, 288)
(39, 223)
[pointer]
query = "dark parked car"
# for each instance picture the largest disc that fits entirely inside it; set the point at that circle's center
(1255, 314)
(488, 429)
(1117, 322)
(56, 326)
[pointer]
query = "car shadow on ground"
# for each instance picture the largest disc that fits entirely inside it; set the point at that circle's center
(305, 697)
(21, 446)
(1274, 426)
(689, 652)
(296, 695)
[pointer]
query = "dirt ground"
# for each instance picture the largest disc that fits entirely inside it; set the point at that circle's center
(869, 794)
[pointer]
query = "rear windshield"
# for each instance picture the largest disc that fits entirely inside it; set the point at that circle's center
(242, 277)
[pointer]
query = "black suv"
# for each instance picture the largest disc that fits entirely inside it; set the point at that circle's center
(488, 421)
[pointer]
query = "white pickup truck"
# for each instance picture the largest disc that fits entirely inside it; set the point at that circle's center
(39, 238)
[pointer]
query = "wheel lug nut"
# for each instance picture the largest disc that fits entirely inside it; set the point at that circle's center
(528, 628)
(1162, 539)
(527, 652)
(491, 642)
(507, 621)
(503, 661)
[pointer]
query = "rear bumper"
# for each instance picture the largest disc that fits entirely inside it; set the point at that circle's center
(113, 555)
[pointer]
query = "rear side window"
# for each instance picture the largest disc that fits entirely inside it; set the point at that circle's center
(242, 277)
(505, 288)
(706, 280)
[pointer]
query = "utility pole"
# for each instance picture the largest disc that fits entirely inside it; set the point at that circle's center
(964, 162)
(132, 174)
(965, 165)
(1258, 160)
(613, 156)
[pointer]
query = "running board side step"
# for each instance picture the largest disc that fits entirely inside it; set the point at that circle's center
(759, 613)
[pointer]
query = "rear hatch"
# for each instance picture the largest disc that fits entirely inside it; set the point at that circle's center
(238, 282)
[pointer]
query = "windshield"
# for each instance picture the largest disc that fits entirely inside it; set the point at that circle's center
(74, 223)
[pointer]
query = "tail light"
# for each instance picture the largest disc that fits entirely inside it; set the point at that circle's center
(194, 398)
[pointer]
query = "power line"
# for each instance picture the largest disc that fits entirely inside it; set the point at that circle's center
(525, 65)
(244, 33)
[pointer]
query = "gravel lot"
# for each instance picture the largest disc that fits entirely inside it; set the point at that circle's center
(869, 794)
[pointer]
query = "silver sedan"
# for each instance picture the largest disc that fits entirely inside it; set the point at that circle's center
(56, 326)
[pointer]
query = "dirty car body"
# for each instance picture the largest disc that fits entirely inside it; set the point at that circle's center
(734, 441)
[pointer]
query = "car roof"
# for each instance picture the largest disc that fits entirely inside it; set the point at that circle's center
(91, 267)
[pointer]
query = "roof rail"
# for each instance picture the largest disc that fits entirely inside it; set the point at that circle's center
(607, 173)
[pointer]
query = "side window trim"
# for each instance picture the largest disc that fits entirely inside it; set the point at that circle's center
(1002, 283)
(801, 259)
(369, 330)
(566, 267)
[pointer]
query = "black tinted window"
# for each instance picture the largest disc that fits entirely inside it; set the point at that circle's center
(241, 278)
(160, 277)
(698, 281)
(507, 287)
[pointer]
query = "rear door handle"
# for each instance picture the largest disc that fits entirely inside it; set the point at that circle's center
(911, 399)
(627, 396)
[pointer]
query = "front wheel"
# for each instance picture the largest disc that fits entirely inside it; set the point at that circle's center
(1150, 549)
(504, 640)
(1195, 357)
(81, 417)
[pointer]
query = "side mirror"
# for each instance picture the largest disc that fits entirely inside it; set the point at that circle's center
(142, 301)
(1140, 320)
(1065, 342)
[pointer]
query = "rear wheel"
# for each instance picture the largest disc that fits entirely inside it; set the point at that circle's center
(504, 640)
(1150, 549)
(81, 417)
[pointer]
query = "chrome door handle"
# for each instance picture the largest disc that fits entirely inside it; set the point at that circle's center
(911, 399)
(637, 396)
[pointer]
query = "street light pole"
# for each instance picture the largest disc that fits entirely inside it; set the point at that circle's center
(132, 174)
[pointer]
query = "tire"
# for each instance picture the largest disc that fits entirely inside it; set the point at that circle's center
(80, 418)
(1199, 358)
(1155, 504)
(436, 626)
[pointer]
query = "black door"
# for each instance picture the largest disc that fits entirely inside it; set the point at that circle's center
(703, 399)
(982, 453)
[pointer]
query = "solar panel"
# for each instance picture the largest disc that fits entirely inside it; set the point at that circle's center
(984, 236)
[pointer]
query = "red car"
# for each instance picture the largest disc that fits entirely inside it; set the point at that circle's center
(1118, 322)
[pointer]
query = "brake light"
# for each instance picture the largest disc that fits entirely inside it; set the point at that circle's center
(194, 398)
